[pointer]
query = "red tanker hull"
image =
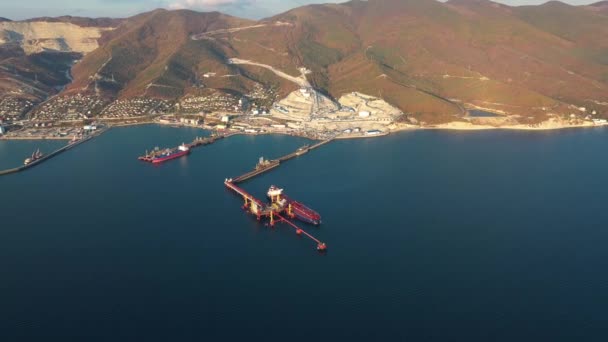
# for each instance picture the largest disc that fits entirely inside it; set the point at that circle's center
(158, 160)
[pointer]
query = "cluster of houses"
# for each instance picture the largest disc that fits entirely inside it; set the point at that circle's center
(139, 106)
(13, 107)
(75, 107)
(216, 102)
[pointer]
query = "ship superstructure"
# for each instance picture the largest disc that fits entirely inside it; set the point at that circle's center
(278, 210)
(35, 156)
(161, 156)
(294, 209)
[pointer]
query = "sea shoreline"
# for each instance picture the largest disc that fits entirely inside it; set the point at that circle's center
(452, 126)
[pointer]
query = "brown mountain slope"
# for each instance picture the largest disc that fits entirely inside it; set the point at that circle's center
(429, 58)
(419, 53)
(152, 54)
(36, 56)
(32, 76)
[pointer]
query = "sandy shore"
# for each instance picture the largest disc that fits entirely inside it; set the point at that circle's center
(544, 126)
(452, 126)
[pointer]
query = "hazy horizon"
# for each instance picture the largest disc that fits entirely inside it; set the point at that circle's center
(253, 9)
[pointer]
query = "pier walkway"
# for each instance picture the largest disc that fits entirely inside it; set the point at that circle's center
(272, 164)
(197, 142)
(54, 153)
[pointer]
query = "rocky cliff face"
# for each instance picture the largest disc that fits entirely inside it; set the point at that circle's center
(35, 37)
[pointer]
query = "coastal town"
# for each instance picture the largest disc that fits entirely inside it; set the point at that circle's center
(303, 113)
(306, 112)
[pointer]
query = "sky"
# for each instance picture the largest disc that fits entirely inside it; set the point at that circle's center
(254, 9)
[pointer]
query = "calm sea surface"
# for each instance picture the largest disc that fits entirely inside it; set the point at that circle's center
(432, 236)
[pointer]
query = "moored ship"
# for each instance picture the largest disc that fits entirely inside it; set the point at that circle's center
(294, 208)
(181, 151)
(158, 157)
(35, 156)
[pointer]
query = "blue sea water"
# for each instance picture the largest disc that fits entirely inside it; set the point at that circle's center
(432, 236)
(13, 153)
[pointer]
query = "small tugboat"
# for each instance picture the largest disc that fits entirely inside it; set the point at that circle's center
(35, 156)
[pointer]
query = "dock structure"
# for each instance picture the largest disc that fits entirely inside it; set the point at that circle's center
(266, 165)
(273, 212)
(54, 153)
(279, 206)
(197, 142)
(261, 167)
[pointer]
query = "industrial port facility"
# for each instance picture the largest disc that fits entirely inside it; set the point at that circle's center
(279, 209)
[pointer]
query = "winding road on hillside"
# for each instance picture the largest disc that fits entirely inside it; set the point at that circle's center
(301, 81)
(235, 29)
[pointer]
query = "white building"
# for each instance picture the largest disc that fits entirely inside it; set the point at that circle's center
(189, 121)
(90, 128)
(2, 129)
(225, 119)
(305, 92)
(364, 114)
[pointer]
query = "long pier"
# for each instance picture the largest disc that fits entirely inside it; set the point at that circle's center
(53, 154)
(197, 142)
(275, 210)
(272, 164)
(257, 171)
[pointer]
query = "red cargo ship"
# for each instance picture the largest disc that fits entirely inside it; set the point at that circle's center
(161, 157)
(298, 210)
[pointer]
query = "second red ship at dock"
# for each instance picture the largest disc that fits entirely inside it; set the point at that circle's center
(158, 157)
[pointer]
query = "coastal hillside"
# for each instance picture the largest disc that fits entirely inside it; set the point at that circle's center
(38, 36)
(36, 57)
(432, 60)
(152, 55)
